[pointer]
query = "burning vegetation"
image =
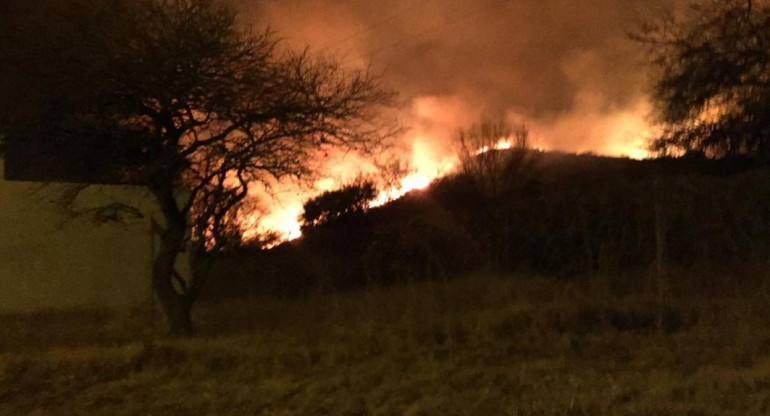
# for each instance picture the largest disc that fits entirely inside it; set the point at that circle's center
(480, 147)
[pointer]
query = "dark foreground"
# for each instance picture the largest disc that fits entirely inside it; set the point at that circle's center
(481, 346)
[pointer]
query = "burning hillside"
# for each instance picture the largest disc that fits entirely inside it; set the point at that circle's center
(427, 160)
(565, 69)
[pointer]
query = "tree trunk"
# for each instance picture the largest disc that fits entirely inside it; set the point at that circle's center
(176, 303)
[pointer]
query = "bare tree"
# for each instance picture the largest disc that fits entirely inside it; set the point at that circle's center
(496, 156)
(497, 159)
(175, 95)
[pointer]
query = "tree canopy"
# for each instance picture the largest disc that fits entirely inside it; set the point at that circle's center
(496, 157)
(176, 95)
(712, 82)
(333, 205)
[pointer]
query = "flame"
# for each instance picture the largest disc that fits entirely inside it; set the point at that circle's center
(283, 217)
(281, 221)
(626, 135)
(411, 182)
(502, 144)
(428, 165)
(622, 132)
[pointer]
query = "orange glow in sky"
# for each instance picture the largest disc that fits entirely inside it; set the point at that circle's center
(622, 133)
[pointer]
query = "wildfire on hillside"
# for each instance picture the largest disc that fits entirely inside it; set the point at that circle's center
(428, 159)
(454, 61)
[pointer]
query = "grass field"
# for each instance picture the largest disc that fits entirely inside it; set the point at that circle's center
(481, 345)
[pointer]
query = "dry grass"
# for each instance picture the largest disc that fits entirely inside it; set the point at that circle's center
(481, 345)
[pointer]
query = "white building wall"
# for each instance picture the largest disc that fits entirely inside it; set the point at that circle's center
(48, 261)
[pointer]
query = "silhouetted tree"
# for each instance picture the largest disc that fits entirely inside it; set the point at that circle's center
(712, 80)
(496, 159)
(175, 95)
(333, 205)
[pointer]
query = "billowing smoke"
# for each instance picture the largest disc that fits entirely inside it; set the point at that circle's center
(543, 60)
(566, 68)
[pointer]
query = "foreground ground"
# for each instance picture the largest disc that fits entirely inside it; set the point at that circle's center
(475, 346)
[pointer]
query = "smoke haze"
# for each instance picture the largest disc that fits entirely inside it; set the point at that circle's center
(565, 68)
(561, 66)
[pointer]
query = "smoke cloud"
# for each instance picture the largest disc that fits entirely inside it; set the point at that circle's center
(564, 67)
